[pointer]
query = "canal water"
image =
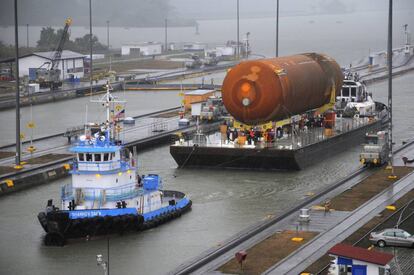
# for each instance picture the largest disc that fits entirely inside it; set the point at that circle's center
(53, 118)
(225, 202)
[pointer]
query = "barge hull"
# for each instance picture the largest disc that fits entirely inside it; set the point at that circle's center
(269, 158)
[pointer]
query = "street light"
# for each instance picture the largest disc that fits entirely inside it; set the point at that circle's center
(107, 33)
(16, 45)
(101, 262)
(90, 45)
(238, 32)
(166, 35)
(247, 46)
(277, 28)
(389, 63)
(27, 35)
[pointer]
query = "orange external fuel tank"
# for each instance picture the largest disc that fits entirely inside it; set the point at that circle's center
(266, 90)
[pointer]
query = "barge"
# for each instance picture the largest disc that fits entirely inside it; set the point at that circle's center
(327, 113)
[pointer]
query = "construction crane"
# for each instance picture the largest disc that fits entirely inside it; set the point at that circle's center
(50, 76)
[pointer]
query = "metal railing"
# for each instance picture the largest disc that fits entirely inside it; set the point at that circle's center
(99, 194)
(300, 138)
(96, 166)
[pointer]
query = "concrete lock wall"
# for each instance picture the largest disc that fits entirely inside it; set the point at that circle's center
(35, 179)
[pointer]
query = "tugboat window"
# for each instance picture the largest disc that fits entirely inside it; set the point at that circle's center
(97, 157)
(106, 157)
(345, 91)
(112, 155)
(88, 157)
(81, 157)
(353, 91)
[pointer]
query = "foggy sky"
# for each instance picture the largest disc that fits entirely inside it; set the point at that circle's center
(41, 12)
(199, 9)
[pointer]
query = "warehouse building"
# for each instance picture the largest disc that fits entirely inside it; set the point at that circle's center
(71, 64)
(194, 46)
(142, 49)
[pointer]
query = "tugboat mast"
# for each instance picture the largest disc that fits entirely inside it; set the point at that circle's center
(106, 101)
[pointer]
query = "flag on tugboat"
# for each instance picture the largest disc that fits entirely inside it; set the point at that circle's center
(121, 114)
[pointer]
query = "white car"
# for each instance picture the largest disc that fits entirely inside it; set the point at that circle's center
(392, 237)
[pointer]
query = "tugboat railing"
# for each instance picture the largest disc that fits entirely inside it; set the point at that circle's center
(110, 194)
(97, 166)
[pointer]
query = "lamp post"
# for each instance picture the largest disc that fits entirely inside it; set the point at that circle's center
(166, 34)
(238, 32)
(277, 28)
(27, 35)
(107, 33)
(16, 45)
(100, 261)
(389, 63)
(90, 45)
(247, 45)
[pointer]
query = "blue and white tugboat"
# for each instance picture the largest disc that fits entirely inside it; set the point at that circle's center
(107, 195)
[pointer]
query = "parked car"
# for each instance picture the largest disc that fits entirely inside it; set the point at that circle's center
(392, 237)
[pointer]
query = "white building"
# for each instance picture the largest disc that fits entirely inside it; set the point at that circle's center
(356, 260)
(225, 51)
(71, 63)
(95, 56)
(143, 49)
(194, 46)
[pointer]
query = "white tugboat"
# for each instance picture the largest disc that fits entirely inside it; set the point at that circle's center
(106, 194)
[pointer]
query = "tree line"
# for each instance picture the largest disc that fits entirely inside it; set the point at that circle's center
(49, 38)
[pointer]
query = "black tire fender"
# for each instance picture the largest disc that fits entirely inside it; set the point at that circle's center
(55, 239)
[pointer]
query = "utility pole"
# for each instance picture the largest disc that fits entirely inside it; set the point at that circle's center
(16, 45)
(238, 32)
(166, 35)
(90, 45)
(277, 28)
(389, 63)
(27, 35)
(107, 33)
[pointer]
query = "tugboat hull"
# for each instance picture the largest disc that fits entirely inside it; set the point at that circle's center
(61, 225)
